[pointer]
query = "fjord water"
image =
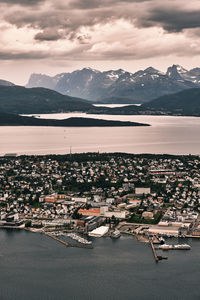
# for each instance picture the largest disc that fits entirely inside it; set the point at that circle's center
(173, 135)
(36, 267)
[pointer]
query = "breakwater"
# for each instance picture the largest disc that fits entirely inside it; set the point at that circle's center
(67, 244)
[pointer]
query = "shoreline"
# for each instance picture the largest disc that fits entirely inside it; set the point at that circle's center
(86, 194)
(133, 234)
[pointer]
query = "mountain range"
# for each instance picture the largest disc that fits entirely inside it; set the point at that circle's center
(119, 86)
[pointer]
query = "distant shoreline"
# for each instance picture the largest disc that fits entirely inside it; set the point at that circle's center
(17, 120)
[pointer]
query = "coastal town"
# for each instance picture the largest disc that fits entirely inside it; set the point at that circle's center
(96, 194)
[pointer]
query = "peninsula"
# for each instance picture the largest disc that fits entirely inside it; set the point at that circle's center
(7, 119)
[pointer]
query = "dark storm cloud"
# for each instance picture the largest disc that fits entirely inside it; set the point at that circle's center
(71, 15)
(62, 19)
(43, 19)
(173, 20)
(93, 4)
(48, 35)
(22, 2)
(88, 4)
(66, 15)
(22, 55)
(100, 29)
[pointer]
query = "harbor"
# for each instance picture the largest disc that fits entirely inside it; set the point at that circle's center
(81, 240)
(165, 247)
(67, 244)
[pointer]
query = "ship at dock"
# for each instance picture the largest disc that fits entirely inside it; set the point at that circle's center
(174, 247)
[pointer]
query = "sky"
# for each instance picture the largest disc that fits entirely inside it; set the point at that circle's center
(55, 36)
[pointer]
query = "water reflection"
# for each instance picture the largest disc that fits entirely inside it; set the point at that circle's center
(174, 135)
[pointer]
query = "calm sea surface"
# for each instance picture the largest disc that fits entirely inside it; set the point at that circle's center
(174, 135)
(35, 267)
(114, 105)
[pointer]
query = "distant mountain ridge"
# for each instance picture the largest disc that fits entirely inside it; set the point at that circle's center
(119, 86)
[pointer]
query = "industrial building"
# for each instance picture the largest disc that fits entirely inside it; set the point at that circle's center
(99, 232)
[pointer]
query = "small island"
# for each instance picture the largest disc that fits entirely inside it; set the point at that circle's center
(7, 119)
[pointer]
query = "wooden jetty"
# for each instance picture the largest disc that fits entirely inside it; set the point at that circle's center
(68, 244)
(154, 251)
(156, 257)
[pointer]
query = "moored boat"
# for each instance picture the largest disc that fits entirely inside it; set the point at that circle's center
(175, 247)
(165, 247)
(115, 234)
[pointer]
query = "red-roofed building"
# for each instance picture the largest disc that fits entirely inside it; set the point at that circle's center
(89, 212)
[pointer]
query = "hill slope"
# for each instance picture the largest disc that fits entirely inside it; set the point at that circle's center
(185, 103)
(6, 83)
(20, 100)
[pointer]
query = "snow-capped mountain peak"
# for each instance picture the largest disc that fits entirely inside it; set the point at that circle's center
(141, 86)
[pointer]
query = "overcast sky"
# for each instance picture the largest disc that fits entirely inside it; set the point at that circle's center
(54, 36)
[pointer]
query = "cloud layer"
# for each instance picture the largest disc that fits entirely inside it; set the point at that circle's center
(98, 30)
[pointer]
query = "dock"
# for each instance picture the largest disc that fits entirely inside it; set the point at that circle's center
(154, 251)
(155, 239)
(68, 244)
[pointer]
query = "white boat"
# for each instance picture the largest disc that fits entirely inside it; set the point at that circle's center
(182, 247)
(115, 234)
(175, 247)
(165, 247)
(78, 238)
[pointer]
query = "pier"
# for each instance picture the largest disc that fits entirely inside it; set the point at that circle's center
(154, 251)
(68, 244)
